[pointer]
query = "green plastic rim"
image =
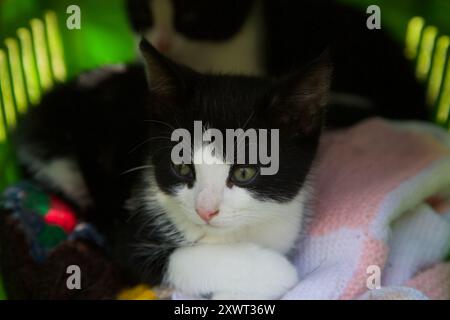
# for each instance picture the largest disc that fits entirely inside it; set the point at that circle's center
(2, 289)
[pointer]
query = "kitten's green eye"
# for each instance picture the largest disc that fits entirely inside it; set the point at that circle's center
(243, 175)
(183, 170)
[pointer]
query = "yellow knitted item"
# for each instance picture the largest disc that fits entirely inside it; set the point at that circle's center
(139, 292)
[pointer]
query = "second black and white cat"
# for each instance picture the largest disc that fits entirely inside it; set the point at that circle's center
(220, 230)
(272, 37)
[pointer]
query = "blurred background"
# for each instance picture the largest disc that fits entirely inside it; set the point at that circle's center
(106, 36)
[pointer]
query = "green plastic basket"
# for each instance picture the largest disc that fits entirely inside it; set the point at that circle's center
(37, 51)
(2, 290)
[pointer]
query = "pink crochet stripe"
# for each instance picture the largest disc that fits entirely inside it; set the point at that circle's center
(434, 282)
(404, 153)
(375, 253)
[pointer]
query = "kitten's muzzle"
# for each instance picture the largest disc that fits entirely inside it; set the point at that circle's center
(207, 215)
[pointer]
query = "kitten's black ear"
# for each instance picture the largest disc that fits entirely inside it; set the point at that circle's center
(164, 77)
(301, 98)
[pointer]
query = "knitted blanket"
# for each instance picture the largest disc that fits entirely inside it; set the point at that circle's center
(380, 227)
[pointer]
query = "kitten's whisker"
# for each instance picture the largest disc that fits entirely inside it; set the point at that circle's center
(161, 122)
(146, 141)
(161, 149)
(176, 120)
(136, 169)
(244, 127)
(248, 120)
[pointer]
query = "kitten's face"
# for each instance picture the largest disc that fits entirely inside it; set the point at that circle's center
(205, 35)
(224, 196)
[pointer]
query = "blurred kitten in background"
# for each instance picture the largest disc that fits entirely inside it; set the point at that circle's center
(372, 77)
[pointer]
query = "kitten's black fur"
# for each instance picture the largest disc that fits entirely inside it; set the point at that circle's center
(367, 62)
(123, 123)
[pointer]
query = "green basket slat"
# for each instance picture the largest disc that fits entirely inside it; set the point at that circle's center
(2, 289)
(40, 50)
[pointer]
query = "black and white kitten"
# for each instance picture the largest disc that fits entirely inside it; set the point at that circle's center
(371, 75)
(103, 142)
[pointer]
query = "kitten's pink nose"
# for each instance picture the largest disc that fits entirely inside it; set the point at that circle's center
(207, 214)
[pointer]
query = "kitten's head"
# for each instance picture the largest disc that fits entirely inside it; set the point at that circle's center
(211, 192)
(203, 34)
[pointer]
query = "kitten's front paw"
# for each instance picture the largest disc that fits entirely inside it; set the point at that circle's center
(240, 296)
(270, 276)
(235, 272)
(225, 295)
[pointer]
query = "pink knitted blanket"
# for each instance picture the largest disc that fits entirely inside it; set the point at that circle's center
(380, 227)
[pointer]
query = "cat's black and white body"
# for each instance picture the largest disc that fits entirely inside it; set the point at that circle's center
(103, 142)
(227, 40)
(371, 77)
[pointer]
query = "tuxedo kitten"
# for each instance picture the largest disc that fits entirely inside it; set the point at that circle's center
(103, 141)
(272, 37)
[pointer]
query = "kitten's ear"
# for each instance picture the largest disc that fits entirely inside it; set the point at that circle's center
(164, 77)
(301, 98)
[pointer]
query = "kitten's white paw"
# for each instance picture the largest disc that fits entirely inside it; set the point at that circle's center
(243, 271)
(239, 296)
(243, 295)
(270, 277)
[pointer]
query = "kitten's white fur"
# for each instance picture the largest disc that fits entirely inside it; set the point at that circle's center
(240, 54)
(238, 271)
(240, 253)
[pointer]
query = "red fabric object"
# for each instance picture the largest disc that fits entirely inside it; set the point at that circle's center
(60, 214)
